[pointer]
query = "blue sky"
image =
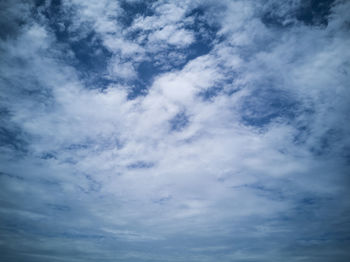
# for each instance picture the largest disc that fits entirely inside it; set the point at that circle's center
(174, 130)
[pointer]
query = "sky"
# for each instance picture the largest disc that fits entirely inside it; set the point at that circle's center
(174, 131)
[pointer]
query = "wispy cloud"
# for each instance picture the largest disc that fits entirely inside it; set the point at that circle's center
(187, 131)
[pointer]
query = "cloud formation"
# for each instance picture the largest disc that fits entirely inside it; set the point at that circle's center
(174, 131)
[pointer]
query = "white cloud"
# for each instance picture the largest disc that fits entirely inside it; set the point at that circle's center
(114, 172)
(173, 36)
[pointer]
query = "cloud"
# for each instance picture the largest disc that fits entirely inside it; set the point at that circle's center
(157, 131)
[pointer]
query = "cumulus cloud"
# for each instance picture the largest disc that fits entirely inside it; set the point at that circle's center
(187, 131)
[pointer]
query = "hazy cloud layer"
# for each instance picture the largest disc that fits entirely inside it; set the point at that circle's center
(174, 130)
